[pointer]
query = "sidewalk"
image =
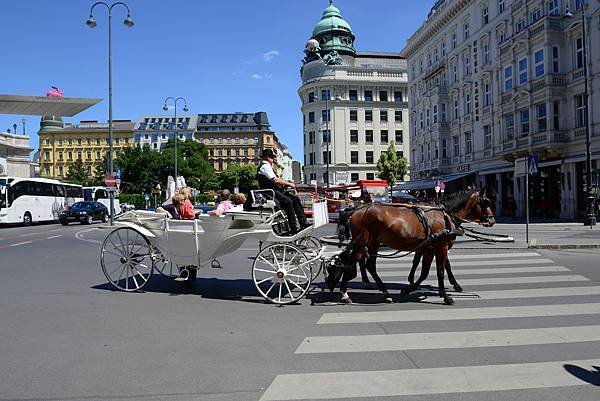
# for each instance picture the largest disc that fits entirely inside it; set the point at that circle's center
(554, 235)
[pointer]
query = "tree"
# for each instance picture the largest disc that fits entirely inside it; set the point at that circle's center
(390, 167)
(77, 173)
(242, 176)
(100, 172)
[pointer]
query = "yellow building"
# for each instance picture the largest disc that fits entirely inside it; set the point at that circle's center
(61, 144)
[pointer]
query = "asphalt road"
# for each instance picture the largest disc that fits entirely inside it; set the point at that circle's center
(527, 333)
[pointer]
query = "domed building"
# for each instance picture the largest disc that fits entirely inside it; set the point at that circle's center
(354, 104)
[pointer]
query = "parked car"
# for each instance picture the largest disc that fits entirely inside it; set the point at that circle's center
(84, 212)
(204, 208)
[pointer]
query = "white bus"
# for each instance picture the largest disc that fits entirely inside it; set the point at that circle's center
(101, 195)
(29, 200)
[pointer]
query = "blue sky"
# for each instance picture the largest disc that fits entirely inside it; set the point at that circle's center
(223, 56)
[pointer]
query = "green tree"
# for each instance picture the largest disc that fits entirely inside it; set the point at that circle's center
(100, 172)
(390, 167)
(241, 175)
(77, 173)
(192, 163)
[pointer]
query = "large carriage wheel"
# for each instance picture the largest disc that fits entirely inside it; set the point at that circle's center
(281, 273)
(311, 246)
(127, 259)
(164, 266)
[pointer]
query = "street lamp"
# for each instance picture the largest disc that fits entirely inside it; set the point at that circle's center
(185, 110)
(23, 120)
(128, 22)
(590, 212)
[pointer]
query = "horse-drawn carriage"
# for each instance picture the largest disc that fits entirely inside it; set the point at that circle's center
(145, 241)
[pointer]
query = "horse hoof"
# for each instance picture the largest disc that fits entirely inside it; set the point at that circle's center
(368, 286)
(448, 301)
(458, 288)
(388, 299)
(346, 301)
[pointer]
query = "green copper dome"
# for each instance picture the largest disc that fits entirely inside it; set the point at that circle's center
(333, 32)
(51, 123)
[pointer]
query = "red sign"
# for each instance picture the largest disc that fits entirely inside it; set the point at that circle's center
(110, 181)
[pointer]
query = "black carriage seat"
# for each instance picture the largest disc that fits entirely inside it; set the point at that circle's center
(261, 199)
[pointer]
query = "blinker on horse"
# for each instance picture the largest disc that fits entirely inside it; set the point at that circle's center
(429, 230)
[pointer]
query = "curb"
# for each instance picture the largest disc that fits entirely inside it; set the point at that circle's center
(567, 246)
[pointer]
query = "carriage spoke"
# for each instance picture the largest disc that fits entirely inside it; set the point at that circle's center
(275, 259)
(127, 279)
(288, 290)
(117, 268)
(297, 286)
(134, 280)
(297, 276)
(112, 253)
(265, 271)
(270, 288)
(263, 280)
(269, 263)
(280, 286)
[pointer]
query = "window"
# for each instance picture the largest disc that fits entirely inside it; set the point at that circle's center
(454, 72)
(556, 109)
(580, 117)
(579, 53)
(520, 25)
(522, 71)
(384, 135)
(398, 115)
(369, 136)
(383, 115)
(552, 7)
(370, 176)
(485, 18)
(368, 96)
(326, 136)
(325, 94)
(467, 65)
(453, 40)
(89, 155)
(444, 148)
(311, 137)
(353, 177)
(467, 103)
(428, 151)
(456, 145)
(368, 115)
(353, 115)
(508, 78)
(539, 63)
(60, 155)
(383, 96)
(436, 150)
(443, 112)
(69, 155)
(435, 113)
(422, 153)
(509, 122)
(398, 136)
(468, 143)
(353, 95)
(47, 156)
(70, 141)
(555, 62)
(79, 155)
(487, 137)
(311, 117)
(455, 109)
(524, 122)
(78, 141)
(397, 96)
(487, 93)
(487, 58)
(354, 157)
(542, 122)
(326, 115)
(369, 156)
(60, 171)
(501, 34)
(466, 30)
(325, 158)
(501, 6)
(97, 155)
(354, 136)
(536, 15)
(427, 117)
(311, 97)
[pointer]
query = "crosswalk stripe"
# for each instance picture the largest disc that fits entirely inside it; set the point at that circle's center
(460, 339)
(391, 263)
(404, 382)
(499, 270)
(484, 256)
(535, 293)
(460, 313)
(508, 280)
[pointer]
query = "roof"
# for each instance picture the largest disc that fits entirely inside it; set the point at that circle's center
(43, 105)
(427, 183)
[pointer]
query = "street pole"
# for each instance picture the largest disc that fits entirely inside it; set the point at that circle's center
(92, 23)
(23, 120)
(185, 109)
(527, 208)
(328, 133)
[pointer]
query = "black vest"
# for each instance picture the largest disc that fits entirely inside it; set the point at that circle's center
(264, 182)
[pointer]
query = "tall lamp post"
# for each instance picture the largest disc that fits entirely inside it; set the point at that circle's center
(328, 137)
(185, 110)
(590, 212)
(128, 22)
(23, 120)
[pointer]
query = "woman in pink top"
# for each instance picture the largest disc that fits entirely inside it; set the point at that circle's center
(224, 205)
(186, 210)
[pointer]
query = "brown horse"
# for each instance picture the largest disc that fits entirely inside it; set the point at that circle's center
(410, 229)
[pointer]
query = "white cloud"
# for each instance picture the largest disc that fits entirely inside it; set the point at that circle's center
(262, 76)
(256, 76)
(270, 55)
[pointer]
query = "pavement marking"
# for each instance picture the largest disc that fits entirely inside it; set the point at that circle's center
(54, 236)
(457, 339)
(21, 243)
(388, 264)
(421, 315)
(432, 279)
(405, 382)
(532, 293)
(28, 235)
(79, 236)
(500, 270)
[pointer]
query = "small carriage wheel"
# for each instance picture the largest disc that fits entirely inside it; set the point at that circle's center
(282, 273)
(127, 259)
(311, 245)
(215, 264)
(164, 266)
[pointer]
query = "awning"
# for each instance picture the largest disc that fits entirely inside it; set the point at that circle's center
(429, 183)
(43, 105)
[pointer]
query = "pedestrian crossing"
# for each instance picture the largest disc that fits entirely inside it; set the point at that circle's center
(540, 312)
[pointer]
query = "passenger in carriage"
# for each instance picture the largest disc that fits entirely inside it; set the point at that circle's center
(224, 205)
(238, 200)
(290, 204)
(172, 209)
(186, 209)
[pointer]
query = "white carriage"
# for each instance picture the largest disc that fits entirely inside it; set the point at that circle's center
(144, 242)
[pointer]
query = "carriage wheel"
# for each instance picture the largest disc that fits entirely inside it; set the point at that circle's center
(311, 246)
(281, 273)
(164, 266)
(127, 259)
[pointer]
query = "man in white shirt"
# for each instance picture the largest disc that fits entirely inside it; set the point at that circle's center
(290, 204)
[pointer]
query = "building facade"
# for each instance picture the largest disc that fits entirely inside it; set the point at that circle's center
(155, 131)
(493, 81)
(61, 144)
(354, 105)
(235, 138)
(14, 155)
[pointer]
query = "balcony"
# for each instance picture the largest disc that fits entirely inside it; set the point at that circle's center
(561, 136)
(439, 90)
(467, 118)
(508, 145)
(579, 132)
(487, 110)
(577, 74)
(487, 153)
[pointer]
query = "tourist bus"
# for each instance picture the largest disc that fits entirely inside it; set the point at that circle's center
(102, 195)
(33, 200)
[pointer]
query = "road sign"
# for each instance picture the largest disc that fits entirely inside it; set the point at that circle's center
(109, 181)
(532, 164)
(147, 197)
(118, 182)
(118, 173)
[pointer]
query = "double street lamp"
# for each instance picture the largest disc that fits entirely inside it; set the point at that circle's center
(185, 110)
(128, 22)
(590, 217)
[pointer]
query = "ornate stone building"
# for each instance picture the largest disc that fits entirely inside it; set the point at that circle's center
(14, 155)
(354, 104)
